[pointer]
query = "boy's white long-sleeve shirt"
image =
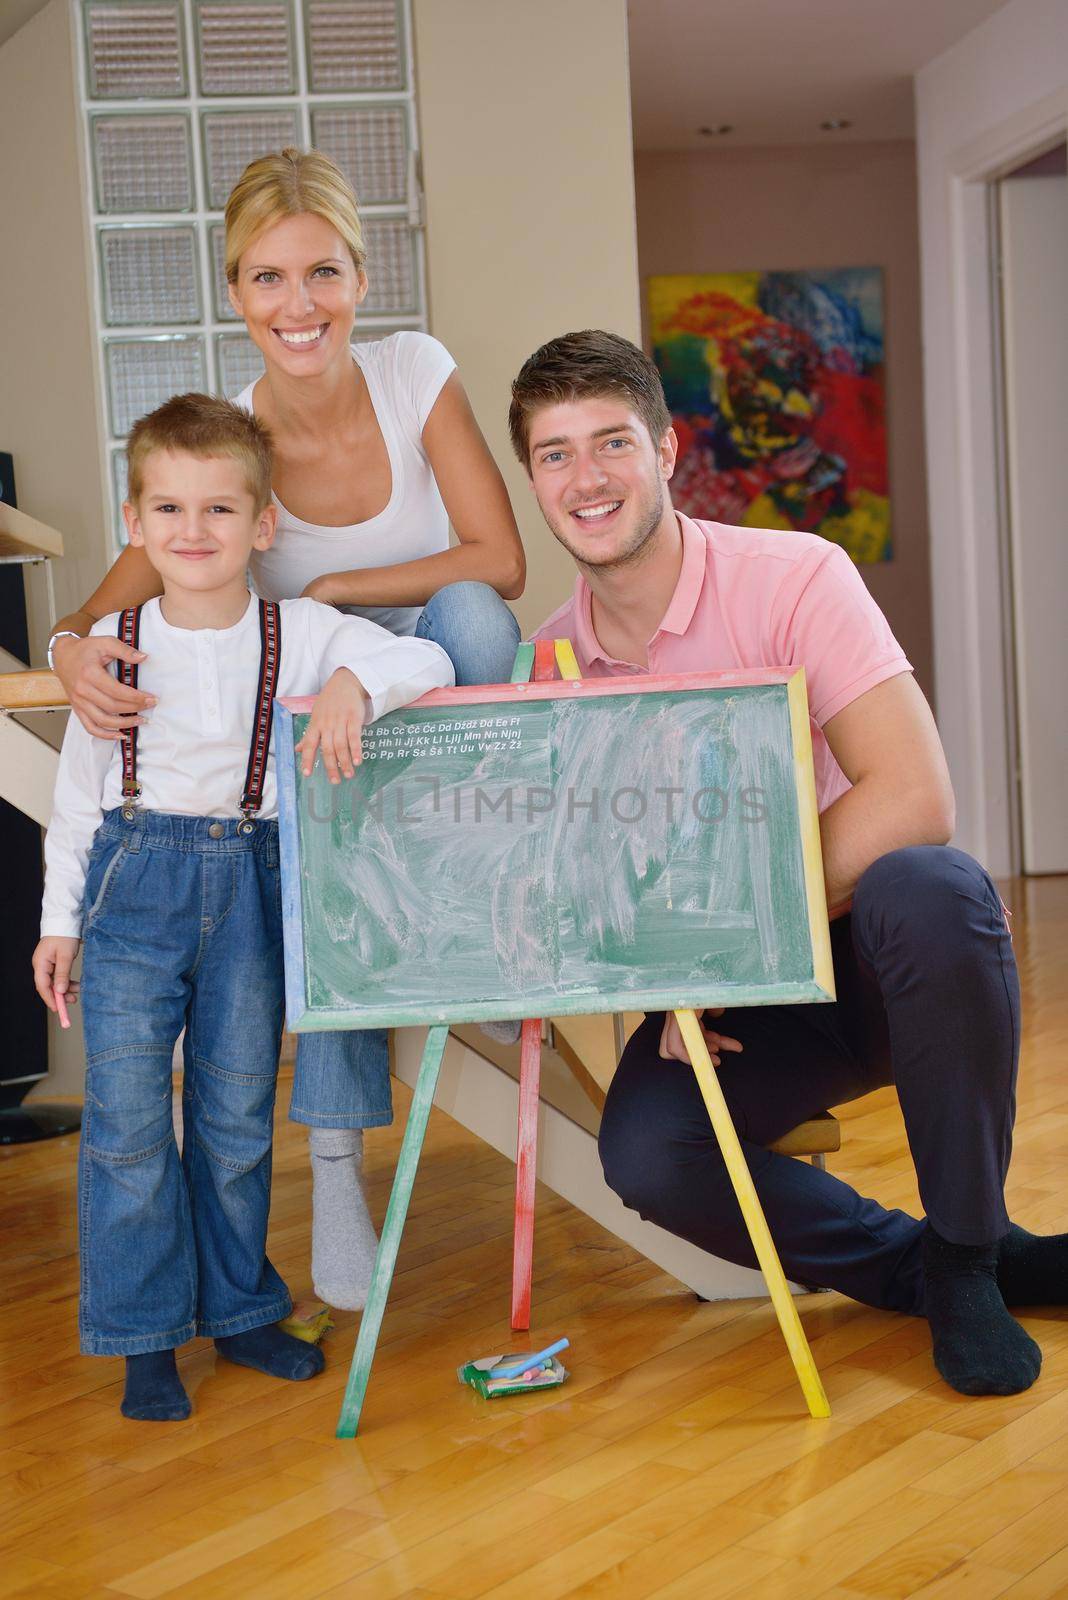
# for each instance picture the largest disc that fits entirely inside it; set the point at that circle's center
(193, 751)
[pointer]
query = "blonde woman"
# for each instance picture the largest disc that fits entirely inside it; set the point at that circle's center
(376, 451)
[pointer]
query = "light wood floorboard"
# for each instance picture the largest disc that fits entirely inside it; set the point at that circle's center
(677, 1464)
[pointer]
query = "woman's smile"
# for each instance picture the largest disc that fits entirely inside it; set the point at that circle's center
(302, 338)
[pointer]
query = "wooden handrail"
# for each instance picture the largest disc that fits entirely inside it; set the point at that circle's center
(21, 535)
(35, 690)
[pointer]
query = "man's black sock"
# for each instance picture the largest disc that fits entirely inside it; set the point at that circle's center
(154, 1391)
(1033, 1268)
(978, 1347)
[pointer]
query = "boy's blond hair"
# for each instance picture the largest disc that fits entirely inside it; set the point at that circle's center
(290, 183)
(205, 426)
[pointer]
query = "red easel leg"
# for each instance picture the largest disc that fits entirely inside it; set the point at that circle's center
(526, 1162)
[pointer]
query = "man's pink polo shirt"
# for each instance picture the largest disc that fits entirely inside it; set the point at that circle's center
(747, 597)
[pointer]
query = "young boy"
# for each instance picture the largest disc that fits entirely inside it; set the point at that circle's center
(162, 856)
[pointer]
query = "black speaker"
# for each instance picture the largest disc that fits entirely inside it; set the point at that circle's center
(23, 1018)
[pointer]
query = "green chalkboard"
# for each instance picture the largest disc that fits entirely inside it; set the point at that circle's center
(550, 848)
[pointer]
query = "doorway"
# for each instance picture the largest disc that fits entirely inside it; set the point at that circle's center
(1032, 252)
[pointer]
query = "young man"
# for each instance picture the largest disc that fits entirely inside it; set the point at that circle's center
(927, 990)
(162, 856)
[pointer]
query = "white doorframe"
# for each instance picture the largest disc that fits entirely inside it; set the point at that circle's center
(1032, 225)
(973, 681)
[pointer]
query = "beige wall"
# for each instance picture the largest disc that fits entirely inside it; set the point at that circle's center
(525, 126)
(806, 206)
(48, 416)
(531, 231)
(48, 404)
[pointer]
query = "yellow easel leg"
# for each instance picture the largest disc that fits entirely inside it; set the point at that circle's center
(755, 1222)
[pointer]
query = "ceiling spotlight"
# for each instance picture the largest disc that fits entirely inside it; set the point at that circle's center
(724, 127)
(835, 124)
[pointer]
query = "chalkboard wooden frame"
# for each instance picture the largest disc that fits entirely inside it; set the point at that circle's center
(304, 1017)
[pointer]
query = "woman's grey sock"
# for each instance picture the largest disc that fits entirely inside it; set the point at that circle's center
(503, 1032)
(343, 1236)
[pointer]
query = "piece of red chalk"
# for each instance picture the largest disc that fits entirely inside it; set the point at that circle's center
(61, 1007)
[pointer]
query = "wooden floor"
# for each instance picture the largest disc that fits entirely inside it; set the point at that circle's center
(678, 1462)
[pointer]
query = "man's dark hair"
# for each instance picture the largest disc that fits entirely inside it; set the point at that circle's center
(586, 366)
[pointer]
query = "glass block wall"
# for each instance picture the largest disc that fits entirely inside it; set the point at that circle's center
(178, 96)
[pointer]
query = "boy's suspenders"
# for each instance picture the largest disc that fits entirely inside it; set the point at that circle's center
(270, 657)
(129, 631)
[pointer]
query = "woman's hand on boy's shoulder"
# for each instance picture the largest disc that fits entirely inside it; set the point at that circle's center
(104, 706)
(335, 727)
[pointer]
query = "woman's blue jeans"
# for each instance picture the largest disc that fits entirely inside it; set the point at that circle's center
(182, 928)
(341, 1080)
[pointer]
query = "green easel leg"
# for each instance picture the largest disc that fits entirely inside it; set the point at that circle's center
(389, 1244)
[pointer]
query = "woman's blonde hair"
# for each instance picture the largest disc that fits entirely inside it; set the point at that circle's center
(289, 183)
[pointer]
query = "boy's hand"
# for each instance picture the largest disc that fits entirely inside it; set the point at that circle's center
(673, 1046)
(335, 727)
(52, 961)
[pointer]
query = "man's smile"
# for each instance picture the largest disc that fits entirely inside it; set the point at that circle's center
(598, 513)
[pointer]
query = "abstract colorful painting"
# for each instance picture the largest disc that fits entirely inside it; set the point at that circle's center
(775, 381)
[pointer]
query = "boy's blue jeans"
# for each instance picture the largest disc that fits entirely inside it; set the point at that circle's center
(183, 928)
(341, 1080)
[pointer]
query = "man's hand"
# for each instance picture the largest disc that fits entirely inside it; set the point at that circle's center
(673, 1047)
(335, 727)
(52, 961)
(103, 705)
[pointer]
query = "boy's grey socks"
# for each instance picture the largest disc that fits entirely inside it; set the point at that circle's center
(343, 1236)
